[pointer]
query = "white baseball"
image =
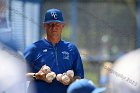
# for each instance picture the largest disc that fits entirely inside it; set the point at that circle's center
(59, 77)
(46, 69)
(70, 73)
(65, 79)
(53, 74)
(50, 76)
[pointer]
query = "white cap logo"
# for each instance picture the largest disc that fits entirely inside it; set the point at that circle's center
(54, 15)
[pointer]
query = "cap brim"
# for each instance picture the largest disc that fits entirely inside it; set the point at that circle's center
(54, 21)
(99, 90)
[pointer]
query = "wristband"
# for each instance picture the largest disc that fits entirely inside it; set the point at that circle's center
(34, 76)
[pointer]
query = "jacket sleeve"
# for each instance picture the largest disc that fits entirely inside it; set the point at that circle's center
(77, 64)
(29, 55)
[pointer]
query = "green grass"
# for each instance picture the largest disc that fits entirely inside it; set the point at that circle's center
(92, 76)
(91, 72)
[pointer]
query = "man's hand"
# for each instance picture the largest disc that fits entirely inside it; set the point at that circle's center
(45, 74)
(65, 78)
(40, 76)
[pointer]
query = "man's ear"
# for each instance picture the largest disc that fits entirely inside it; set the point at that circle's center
(44, 25)
(63, 25)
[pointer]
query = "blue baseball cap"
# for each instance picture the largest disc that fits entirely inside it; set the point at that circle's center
(53, 15)
(84, 86)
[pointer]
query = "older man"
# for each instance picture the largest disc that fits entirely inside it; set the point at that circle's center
(55, 53)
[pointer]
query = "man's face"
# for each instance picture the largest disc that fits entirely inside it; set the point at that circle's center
(53, 29)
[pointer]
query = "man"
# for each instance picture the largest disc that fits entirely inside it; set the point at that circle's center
(58, 54)
(84, 86)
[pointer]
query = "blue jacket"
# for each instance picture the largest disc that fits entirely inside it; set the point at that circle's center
(60, 58)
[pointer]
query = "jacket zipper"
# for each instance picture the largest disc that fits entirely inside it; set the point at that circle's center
(56, 59)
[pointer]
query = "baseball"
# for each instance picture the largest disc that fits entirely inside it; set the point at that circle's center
(53, 74)
(46, 69)
(65, 79)
(59, 77)
(70, 73)
(50, 76)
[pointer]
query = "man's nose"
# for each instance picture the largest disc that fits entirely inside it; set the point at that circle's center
(54, 27)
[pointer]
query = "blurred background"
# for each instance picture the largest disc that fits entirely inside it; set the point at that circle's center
(103, 30)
